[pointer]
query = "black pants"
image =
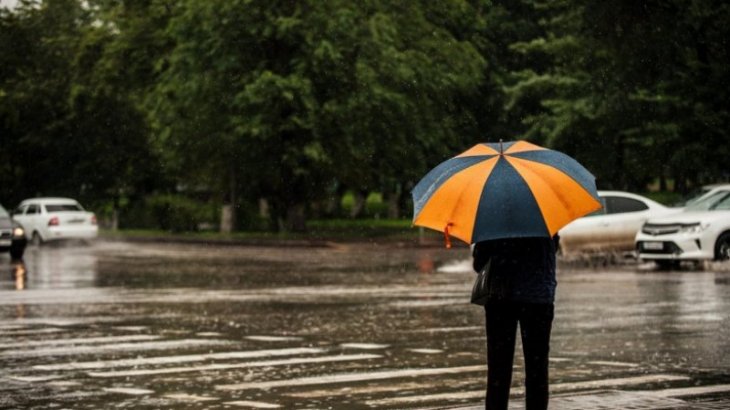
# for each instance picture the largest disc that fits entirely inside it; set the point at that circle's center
(535, 321)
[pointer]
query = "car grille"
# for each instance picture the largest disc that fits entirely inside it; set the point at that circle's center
(667, 248)
(658, 229)
(6, 234)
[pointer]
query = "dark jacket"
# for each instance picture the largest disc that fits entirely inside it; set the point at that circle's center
(522, 269)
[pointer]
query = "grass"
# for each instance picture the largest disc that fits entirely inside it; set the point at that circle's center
(325, 229)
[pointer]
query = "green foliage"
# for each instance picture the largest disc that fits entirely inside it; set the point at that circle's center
(627, 85)
(174, 213)
(232, 101)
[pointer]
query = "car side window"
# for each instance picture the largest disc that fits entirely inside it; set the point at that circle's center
(723, 205)
(620, 205)
(20, 210)
(33, 209)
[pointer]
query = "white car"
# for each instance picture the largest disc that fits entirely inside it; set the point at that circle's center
(612, 228)
(48, 219)
(700, 232)
(703, 192)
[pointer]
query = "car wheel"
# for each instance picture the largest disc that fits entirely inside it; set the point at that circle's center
(667, 265)
(36, 240)
(722, 247)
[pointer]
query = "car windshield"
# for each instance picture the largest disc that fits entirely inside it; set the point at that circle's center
(3, 212)
(692, 197)
(717, 201)
(64, 208)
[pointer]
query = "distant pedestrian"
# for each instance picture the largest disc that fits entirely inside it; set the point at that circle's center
(520, 290)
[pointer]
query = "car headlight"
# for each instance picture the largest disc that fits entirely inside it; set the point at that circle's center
(693, 228)
(18, 232)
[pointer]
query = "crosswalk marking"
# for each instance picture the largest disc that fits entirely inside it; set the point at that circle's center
(273, 338)
(446, 329)
(691, 391)
(79, 340)
(350, 377)
(426, 351)
(178, 359)
(554, 388)
(363, 346)
(33, 379)
(188, 397)
(253, 404)
(117, 347)
(228, 366)
(128, 390)
(615, 364)
(31, 332)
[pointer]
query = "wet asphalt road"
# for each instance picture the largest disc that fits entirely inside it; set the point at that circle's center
(147, 326)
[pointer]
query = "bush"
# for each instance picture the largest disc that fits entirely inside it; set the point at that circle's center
(175, 213)
(374, 205)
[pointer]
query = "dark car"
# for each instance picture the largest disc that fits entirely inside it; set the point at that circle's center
(12, 235)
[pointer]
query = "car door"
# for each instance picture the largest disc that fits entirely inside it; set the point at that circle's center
(31, 218)
(624, 217)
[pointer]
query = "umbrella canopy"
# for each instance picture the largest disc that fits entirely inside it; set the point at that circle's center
(504, 190)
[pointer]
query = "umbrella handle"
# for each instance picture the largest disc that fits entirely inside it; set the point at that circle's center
(447, 239)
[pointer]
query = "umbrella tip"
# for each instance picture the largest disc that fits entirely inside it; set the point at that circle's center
(501, 150)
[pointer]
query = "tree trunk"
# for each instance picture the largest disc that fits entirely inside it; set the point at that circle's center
(358, 204)
(228, 212)
(393, 201)
(264, 212)
(296, 220)
(115, 214)
(227, 218)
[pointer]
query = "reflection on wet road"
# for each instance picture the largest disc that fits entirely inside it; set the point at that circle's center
(346, 327)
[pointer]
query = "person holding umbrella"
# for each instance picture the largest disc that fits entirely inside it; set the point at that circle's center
(509, 200)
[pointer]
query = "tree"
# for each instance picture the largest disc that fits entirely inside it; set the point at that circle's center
(67, 130)
(292, 97)
(626, 79)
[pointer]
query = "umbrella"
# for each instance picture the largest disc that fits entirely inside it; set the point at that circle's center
(504, 190)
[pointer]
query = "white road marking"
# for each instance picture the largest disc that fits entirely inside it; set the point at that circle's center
(227, 366)
(430, 303)
(74, 341)
(34, 379)
(614, 364)
(10, 327)
(253, 404)
(363, 346)
(446, 329)
(691, 391)
(426, 351)
(29, 332)
(117, 347)
(555, 388)
(189, 397)
(351, 377)
(378, 388)
(209, 334)
(177, 359)
(273, 338)
(127, 390)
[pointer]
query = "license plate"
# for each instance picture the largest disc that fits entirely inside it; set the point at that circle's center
(5, 242)
(653, 246)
